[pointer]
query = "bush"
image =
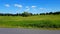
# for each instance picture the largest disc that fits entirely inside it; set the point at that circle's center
(26, 14)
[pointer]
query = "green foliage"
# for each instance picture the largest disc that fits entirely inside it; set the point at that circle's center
(38, 24)
(43, 21)
(26, 14)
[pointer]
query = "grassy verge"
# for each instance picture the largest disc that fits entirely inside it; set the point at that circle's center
(43, 21)
(38, 24)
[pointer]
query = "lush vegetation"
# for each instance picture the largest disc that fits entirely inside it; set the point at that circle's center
(25, 19)
(26, 14)
(38, 21)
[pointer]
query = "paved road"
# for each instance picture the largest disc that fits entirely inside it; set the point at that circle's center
(27, 31)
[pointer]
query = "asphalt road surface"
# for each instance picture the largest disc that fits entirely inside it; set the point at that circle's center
(27, 31)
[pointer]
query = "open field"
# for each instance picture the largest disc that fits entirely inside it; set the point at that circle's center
(41, 21)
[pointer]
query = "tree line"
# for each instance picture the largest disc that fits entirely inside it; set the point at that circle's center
(25, 14)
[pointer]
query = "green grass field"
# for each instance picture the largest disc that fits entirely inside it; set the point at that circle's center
(41, 21)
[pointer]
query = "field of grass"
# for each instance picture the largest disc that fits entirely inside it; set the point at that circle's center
(41, 21)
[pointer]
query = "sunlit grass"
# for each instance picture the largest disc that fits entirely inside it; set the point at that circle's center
(42, 21)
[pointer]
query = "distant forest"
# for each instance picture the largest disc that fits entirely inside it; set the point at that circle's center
(25, 14)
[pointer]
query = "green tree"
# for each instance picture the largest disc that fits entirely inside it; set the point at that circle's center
(26, 14)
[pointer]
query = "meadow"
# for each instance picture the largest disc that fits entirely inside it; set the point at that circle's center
(40, 21)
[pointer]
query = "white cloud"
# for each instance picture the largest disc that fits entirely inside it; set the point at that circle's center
(18, 5)
(42, 8)
(33, 6)
(27, 8)
(7, 5)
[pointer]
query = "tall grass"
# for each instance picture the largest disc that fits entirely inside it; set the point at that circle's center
(43, 21)
(38, 24)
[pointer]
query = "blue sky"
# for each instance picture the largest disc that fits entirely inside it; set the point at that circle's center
(33, 6)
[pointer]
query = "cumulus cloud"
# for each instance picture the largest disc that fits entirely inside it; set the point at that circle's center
(27, 8)
(7, 5)
(45, 9)
(42, 8)
(33, 6)
(18, 5)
